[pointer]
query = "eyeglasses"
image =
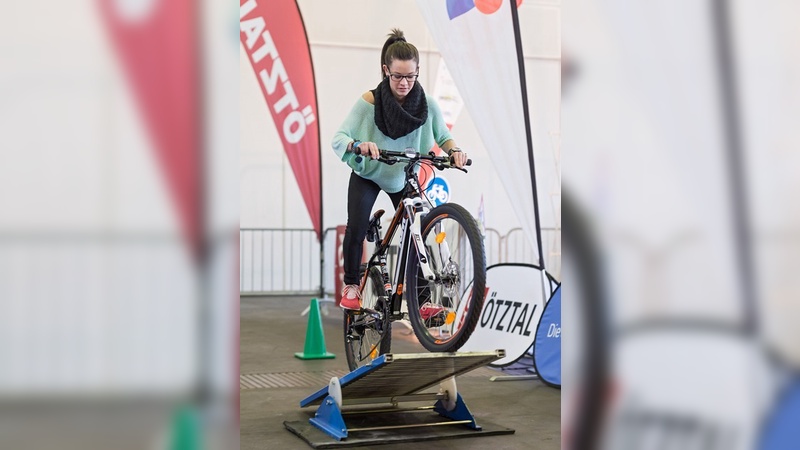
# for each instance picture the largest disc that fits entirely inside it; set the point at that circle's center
(409, 78)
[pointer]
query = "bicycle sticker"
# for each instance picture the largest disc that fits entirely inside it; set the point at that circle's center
(438, 191)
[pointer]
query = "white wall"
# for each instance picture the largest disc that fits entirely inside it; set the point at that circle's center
(345, 39)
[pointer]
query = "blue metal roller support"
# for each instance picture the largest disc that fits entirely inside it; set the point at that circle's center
(329, 419)
(460, 412)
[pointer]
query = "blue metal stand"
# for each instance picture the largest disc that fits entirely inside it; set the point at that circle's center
(392, 379)
(329, 419)
(460, 412)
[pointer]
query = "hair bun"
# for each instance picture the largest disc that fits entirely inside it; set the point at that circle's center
(397, 35)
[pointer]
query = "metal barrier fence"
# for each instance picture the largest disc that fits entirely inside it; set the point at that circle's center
(277, 261)
(492, 244)
(515, 247)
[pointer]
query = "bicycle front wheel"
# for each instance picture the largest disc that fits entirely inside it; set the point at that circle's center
(443, 311)
(368, 332)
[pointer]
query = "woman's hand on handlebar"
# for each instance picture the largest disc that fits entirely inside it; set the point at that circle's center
(367, 149)
(459, 159)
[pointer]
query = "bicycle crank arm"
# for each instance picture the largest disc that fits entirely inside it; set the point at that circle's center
(401, 316)
(372, 312)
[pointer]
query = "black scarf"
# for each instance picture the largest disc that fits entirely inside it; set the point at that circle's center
(396, 121)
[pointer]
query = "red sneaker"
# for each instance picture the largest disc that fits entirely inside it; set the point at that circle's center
(351, 297)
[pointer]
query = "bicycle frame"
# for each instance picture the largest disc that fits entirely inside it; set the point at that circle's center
(367, 327)
(407, 218)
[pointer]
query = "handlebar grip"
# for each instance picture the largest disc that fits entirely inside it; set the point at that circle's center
(469, 161)
(357, 151)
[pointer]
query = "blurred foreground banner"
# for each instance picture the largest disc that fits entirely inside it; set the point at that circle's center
(678, 145)
(157, 44)
(111, 333)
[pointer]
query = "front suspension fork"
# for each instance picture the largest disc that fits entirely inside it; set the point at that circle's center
(416, 210)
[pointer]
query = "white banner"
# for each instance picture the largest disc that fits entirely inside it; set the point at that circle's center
(446, 94)
(513, 306)
(480, 50)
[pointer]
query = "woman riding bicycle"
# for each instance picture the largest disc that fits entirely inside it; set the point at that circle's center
(395, 115)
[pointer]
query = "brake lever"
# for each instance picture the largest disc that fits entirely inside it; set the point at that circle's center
(449, 164)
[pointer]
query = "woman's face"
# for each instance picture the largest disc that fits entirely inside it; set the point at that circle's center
(402, 76)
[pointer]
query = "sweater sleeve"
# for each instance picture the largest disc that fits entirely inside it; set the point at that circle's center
(348, 132)
(440, 131)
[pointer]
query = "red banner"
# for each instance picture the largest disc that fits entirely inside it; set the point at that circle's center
(274, 37)
(156, 42)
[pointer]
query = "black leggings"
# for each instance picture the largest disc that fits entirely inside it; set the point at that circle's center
(361, 196)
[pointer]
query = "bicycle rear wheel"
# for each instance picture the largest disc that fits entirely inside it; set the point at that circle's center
(368, 333)
(443, 312)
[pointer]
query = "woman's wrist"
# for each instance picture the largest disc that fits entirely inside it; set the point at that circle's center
(453, 150)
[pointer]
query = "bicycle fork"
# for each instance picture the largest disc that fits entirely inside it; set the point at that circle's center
(415, 209)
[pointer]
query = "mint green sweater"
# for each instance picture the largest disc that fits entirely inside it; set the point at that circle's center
(360, 126)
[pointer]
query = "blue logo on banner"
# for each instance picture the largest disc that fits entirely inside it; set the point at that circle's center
(438, 191)
(547, 346)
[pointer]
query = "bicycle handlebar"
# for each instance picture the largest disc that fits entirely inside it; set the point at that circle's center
(391, 157)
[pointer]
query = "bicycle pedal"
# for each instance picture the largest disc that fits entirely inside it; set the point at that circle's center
(436, 321)
(370, 312)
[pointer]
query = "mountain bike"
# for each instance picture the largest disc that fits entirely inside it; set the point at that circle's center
(440, 253)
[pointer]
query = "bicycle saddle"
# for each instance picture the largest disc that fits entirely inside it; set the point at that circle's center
(374, 226)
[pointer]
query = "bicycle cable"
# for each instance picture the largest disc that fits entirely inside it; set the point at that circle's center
(422, 191)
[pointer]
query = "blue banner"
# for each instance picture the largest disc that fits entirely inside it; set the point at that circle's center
(547, 346)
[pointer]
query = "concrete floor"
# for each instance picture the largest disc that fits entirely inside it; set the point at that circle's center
(272, 330)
